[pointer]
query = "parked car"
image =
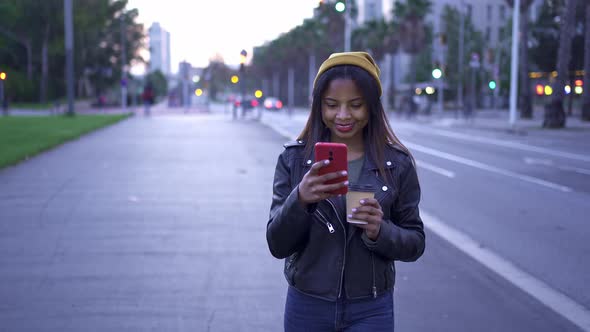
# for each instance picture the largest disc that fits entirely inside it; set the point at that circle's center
(273, 104)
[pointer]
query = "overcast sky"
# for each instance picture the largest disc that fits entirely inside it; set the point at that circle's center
(201, 28)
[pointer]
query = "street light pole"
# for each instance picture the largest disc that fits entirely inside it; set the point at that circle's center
(347, 30)
(514, 62)
(69, 27)
(340, 7)
(460, 60)
(123, 65)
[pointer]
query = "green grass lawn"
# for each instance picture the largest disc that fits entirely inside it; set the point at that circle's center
(33, 106)
(22, 137)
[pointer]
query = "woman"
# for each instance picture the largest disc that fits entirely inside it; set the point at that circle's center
(341, 275)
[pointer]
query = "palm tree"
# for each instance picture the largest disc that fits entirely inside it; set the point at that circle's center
(586, 97)
(554, 112)
(412, 30)
(525, 105)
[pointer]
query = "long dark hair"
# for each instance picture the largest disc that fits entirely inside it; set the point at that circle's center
(377, 135)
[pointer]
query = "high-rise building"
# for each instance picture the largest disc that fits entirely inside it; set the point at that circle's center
(369, 10)
(159, 49)
(488, 17)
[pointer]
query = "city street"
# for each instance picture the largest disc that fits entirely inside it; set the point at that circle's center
(158, 223)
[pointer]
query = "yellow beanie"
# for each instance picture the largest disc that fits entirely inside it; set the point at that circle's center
(359, 59)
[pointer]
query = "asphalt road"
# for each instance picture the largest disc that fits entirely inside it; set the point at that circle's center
(159, 224)
(523, 197)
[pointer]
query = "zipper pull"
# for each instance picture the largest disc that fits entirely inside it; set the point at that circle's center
(330, 227)
(374, 292)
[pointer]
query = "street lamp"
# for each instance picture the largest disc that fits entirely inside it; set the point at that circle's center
(340, 7)
(437, 74)
(514, 62)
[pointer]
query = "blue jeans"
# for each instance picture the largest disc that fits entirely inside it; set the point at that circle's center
(306, 313)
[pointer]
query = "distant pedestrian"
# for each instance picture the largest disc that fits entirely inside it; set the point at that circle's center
(468, 109)
(148, 98)
(341, 275)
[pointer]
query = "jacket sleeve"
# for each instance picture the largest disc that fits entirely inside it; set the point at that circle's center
(402, 239)
(288, 224)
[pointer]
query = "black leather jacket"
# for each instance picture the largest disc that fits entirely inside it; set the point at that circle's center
(322, 252)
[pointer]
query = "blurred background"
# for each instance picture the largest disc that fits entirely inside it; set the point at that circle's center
(160, 124)
(444, 55)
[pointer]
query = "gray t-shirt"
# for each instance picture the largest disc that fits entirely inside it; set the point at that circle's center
(354, 169)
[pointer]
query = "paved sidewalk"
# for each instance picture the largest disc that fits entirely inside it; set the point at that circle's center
(152, 224)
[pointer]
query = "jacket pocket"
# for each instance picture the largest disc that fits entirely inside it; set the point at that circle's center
(291, 268)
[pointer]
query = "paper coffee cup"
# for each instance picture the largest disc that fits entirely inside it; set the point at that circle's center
(353, 196)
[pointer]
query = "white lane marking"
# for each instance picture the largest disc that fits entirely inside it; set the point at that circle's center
(576, 169)
(485, 167)
(514, 145)
(535, 161)
(552, 298)
(547, 162)
(436, 169)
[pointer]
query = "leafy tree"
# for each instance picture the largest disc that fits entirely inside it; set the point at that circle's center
(159, 82)
(216, 76)
(32, 39)
(412, 31)
(474, 42)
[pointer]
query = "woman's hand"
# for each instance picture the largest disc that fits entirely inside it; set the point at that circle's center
(312, 188)
(370, 211)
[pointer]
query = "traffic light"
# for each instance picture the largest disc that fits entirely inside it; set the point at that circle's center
(243, 55)
(437, 73)
(2, 75)
(492, 85)
(340, 6)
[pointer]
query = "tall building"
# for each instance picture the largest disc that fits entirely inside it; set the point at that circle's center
(159, 49)
(369, 10)
(488, 16)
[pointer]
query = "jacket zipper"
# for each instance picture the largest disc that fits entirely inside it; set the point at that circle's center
(328, 224)
(374, 286)
(344, 249)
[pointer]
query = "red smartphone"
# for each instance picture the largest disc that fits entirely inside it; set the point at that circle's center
(337, 154)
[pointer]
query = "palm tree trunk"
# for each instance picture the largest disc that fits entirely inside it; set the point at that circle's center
(391, 93)
(570, 101)
(526, 107)
(44, 71)
(29, 59)
(554, 112)
(586, 97)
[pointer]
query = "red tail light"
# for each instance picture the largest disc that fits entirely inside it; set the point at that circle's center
(279, 104)
(254, 103)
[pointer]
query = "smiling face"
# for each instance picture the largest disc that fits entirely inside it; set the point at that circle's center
(345, 112)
